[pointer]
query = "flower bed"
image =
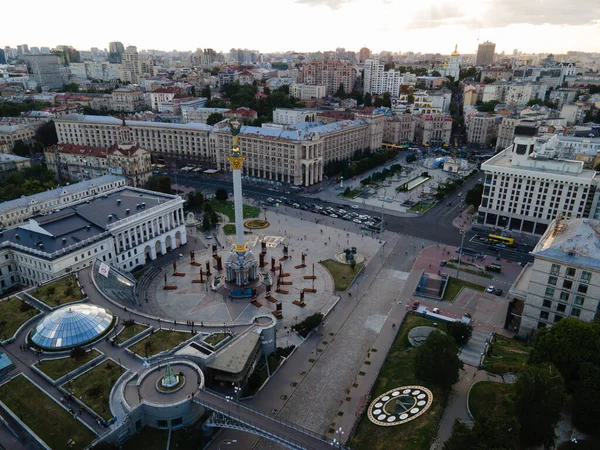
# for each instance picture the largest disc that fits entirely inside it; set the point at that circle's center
(256, 224)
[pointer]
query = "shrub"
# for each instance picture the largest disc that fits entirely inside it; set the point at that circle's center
(78, 352)
(308, 324)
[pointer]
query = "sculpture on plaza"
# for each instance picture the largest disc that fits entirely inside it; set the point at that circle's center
(350, 254)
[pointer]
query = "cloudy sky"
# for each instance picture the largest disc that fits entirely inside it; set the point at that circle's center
(308, 25)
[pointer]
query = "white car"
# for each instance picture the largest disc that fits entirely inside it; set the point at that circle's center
(460, 194)
(490, 289)
(357, 221)
(354, 207)
(333, 215)
(270, 199)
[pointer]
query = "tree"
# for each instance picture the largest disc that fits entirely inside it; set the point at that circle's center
(206, 225)
(540, 396)
(205, 92)
(368, 99)
(193, 91)
(208, 208)
(437, 361)
(435, 73)
(159, 183)
(20, 148)
(488, 80)
(460, 331)
(77, 352)
(341, 92)
(221, 195)
(71, 87)
(214, 118)
(46, 134)
(214, 218)
(586, 410)
(494, 432)
(387, 99)
(195, 201)
(597, 168)
(487, 106)
(473, 195)
(567, 344)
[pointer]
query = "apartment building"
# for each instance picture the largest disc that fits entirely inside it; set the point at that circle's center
(128, 99)
(307, 91)
(290, 116)
(514, 93)
(564, 279)
(197, 114)
(162, 95)
(399, 129)
(18, 210)
(530, 183)
(181, 141)
(45, 70)
(379, 81)
(25, 132)
(126, 227)
(433, 129)
(81, 162)
(329, 73)
(482, 129)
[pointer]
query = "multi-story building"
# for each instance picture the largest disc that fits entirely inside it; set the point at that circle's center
(115, 52)
(530, 183)
(482, 129)
(130, 65)
(19, 210)
(25, 132)
(514, 93)
(227, 76)
(364, 54)
(564, 279)
(162, 95)
(204, 57)
(181, 141)
(126, 227)
(307, 91)
(128, 99)
(433, 129)
(243, 113)
(399, 129)
(81, 162)
(329, 73)
(45, 70)
(379, 81)
(11, 163)
(563, 96)
(485, 54)
(196, 114)
(290, 116)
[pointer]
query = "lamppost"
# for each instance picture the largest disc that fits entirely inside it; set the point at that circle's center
(462, 249)
(337, 441)
(228, 399)
(226, 442)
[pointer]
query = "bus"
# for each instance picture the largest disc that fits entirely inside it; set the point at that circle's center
(500, 239)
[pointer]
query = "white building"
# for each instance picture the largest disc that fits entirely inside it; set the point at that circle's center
(290, 116)
(564, 279)
(379, 81)
(453, 69)
(196, 114)
(126, 227)
(307, 91)
(528, 185)
(513, 93)
(130, 65)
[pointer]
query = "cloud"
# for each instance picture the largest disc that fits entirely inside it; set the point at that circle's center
(333, 4)
(539, 12)
(439, 15)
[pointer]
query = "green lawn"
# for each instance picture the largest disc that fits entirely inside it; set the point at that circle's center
(227, 208)
(14, 313)
(488, 398)
(59, 292)
(422, 207)
(352, 193)
(47, 419)
(229, 228)
(507, 355)
(397, 371)
(56, 368)
(93, 387)
(159, 341)
(471, 271)
(454, 287)
(216, 338)
(130, 331)
(342, 273)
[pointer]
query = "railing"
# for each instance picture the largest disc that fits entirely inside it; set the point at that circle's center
(57, 252)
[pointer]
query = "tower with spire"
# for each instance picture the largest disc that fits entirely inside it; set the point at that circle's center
(241, 265)
(453, 69)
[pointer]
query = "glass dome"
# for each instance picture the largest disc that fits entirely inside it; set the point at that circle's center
(70, 326)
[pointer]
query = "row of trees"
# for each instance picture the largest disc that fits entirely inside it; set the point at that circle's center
(361, 162)
(378, 177)
(12, 109)
(26, 182)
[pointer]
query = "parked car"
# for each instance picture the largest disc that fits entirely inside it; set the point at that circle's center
(354, 207)
(334, 216)
(442, 263)
(435, 310)
(491, 289)
(498, 292)
(468, 315)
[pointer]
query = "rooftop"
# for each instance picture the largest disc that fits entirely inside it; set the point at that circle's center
(574, 241)
(234, 358)
(109, 120)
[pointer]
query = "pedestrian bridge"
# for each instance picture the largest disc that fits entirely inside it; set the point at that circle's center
(234, 415)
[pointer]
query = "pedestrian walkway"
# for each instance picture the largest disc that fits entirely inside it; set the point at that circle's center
(473, 352)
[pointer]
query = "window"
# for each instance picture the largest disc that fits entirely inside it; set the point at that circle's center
(555, 269)
(564, 296)
(550, 292)
(587, 276)
(161, 423)
(561, 307)
(177, 421)
(552, 280)
(579, 300)
(582, 288)
(547, 304)
(570, 272)
(567, 284)
(544, 315)
(557, 318)
(575, 312)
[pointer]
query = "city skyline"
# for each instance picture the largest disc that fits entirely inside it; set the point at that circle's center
(427, 26)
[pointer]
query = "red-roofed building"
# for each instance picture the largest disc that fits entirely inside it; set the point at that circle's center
(260, 95)
(82, 162)
(246, 77)
(162, 95)
(243, 113)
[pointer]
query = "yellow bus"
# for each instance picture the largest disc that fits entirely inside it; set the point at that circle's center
(503, 240)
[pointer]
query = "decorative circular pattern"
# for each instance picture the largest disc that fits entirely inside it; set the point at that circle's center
(400, 405)
(256, 224)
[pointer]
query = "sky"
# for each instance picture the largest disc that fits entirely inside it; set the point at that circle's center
(428, 26)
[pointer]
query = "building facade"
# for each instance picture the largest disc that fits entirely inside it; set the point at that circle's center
(485, 54)
(128, 99)
(399, 129)
(379, 81)
(45, 69)
(307, 91)
(9, 134)
(482, 129)
(433, 129)
(329, 73)
(194, 114)
(290, 116)
(564, 279)
(528, 185)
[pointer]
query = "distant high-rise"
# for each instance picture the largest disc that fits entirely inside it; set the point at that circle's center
(364, 54)
(485, 54)
(45, 69)
(22, 50)
(131, 65)
(115, 52)
(2, 57)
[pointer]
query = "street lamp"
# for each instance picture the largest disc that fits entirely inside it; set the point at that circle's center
(462, 249)
(226, 442)
(337, 441)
